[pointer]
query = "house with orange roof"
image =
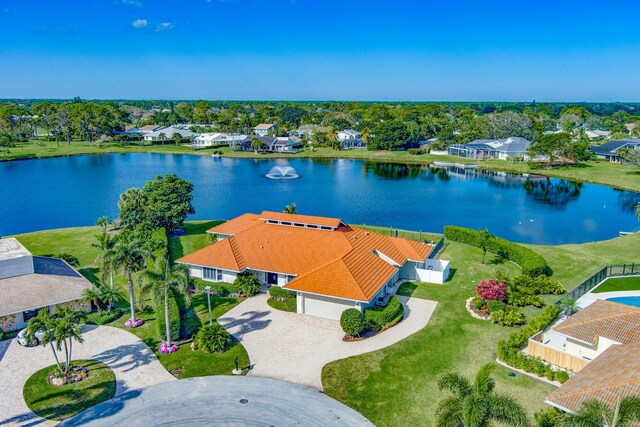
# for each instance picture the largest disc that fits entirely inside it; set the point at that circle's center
(331, 265)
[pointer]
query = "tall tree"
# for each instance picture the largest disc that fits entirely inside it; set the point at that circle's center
(476, 404)
(484, 240)
(552, 146)
(162, 280)
(130, 257)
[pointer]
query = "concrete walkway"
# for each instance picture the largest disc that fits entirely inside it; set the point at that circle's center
(294, 347)
(134, 364)
(221, 401)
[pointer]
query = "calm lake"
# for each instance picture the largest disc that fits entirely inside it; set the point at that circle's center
(75, 191)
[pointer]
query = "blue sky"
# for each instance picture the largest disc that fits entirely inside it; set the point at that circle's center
(321, 49)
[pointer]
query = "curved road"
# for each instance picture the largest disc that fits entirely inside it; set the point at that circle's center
(221, 400)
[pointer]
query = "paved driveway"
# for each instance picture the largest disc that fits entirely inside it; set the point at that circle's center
(294, 347)
(134, 364)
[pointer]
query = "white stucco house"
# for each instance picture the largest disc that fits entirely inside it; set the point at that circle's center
(348, 134)
(330, 265)
(264, 129)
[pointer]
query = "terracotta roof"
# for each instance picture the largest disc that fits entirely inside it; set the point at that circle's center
(347, 263)
(618, 322)
(613, 375)
(304, 219)
(236, 225)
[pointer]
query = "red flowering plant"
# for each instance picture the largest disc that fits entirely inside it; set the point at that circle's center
(491, 290)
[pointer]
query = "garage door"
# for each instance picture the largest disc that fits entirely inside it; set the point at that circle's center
(325, 307)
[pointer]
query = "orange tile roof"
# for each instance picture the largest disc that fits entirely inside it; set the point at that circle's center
(304, 219)
(608, 319)
(613, 375)
(346, 263)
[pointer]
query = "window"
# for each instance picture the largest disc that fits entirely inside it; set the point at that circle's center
(297, 224)
(29, 314)
(212, 274)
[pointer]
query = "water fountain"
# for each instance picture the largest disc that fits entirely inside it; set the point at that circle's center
(282, 172)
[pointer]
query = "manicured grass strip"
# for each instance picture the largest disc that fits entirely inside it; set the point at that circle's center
(616, 284)
(58, 403)
(289, 305)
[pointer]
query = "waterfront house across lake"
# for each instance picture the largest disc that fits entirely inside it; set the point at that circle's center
(611, 150)
(264, 129)
(29, 283)
(331, 265)
(504, 149)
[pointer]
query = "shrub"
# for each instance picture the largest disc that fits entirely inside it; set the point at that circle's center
(561, 376)
(495, 306)
(212, 338)
(69, 259)
(520, 299)
(174, 318)
(248, 283)
(509, 350)
(380, 317)
(102, 317)
(531, 263)
(278, 292)
(547, 286)
(491, 289)
(352, 321)
(509, 316)
(476, 303)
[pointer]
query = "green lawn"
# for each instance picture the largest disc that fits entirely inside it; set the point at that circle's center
(57, 403)
(617, 284)
(600, 172)
(289, 305)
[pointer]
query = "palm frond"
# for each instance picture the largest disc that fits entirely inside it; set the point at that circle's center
(455, 383)
(504, 408)
(449, 413)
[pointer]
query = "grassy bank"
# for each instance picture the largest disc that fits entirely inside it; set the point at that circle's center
(606, 173)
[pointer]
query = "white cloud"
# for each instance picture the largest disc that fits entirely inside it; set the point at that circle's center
(140, 23)
(164, 26)
(134, 3)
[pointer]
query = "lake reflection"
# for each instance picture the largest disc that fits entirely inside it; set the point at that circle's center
(73, 191)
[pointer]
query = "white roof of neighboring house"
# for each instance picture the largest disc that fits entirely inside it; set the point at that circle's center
(169, 131)
(597, 133)
(352, 133)
(11, 248)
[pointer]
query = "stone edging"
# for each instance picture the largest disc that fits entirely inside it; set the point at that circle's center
(467, 305)
(529, 374)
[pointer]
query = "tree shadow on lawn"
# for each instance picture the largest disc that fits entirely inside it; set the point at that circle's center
(104, 409)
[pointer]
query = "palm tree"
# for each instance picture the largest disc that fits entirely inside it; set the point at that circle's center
(109, 295)
(477, 404)
(594, 413)
(332, 137)
(103, 222)
(570, 306)
(162, 280)
(92, 295)
(290, 209)
(130, 257)
(256, 144)
(105, 242)
(43, 322)
(484, 238)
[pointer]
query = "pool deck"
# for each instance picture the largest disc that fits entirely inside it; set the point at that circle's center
(590, 298)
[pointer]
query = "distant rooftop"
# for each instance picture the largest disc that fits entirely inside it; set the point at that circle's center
(10, 248)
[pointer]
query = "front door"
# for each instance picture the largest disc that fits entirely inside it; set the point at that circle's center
(272, 278)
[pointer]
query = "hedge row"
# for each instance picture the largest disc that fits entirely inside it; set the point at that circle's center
(510, 351)
(174, 318)
(531, 263)
(379, 317)
(278, 292)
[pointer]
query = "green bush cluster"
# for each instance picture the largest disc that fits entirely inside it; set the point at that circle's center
(380, 317)
(520, 298)
(531, 263)
(102, 317)
(509, 350)
(174, 318)
(352, 321)
(476, 303)
(278, 292)
(247, 283)
(493, 306)
(509, 316)
(212, 338)
(525, 290)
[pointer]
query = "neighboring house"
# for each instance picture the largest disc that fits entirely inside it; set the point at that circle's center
(285, 144)
(308, 130)
(573, 343)
(630, 127)
(216, 138)
(29, 283)
(140, 131)
(264, 129)
(614, 375)
(353, 144)
(611, 150)
(166, 133)
(270, 143)
(348, 134)
(597, 134)
(330, 265)
(508, 148)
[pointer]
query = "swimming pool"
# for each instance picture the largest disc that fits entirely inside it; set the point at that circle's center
(634, 301)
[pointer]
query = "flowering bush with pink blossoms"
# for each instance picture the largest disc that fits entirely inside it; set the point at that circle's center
(134, 324)
(491, 290)
(166, 349)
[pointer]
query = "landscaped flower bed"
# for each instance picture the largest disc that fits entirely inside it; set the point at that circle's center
(75, 374)
(134, 324)
(219, 294)
(165, 348)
